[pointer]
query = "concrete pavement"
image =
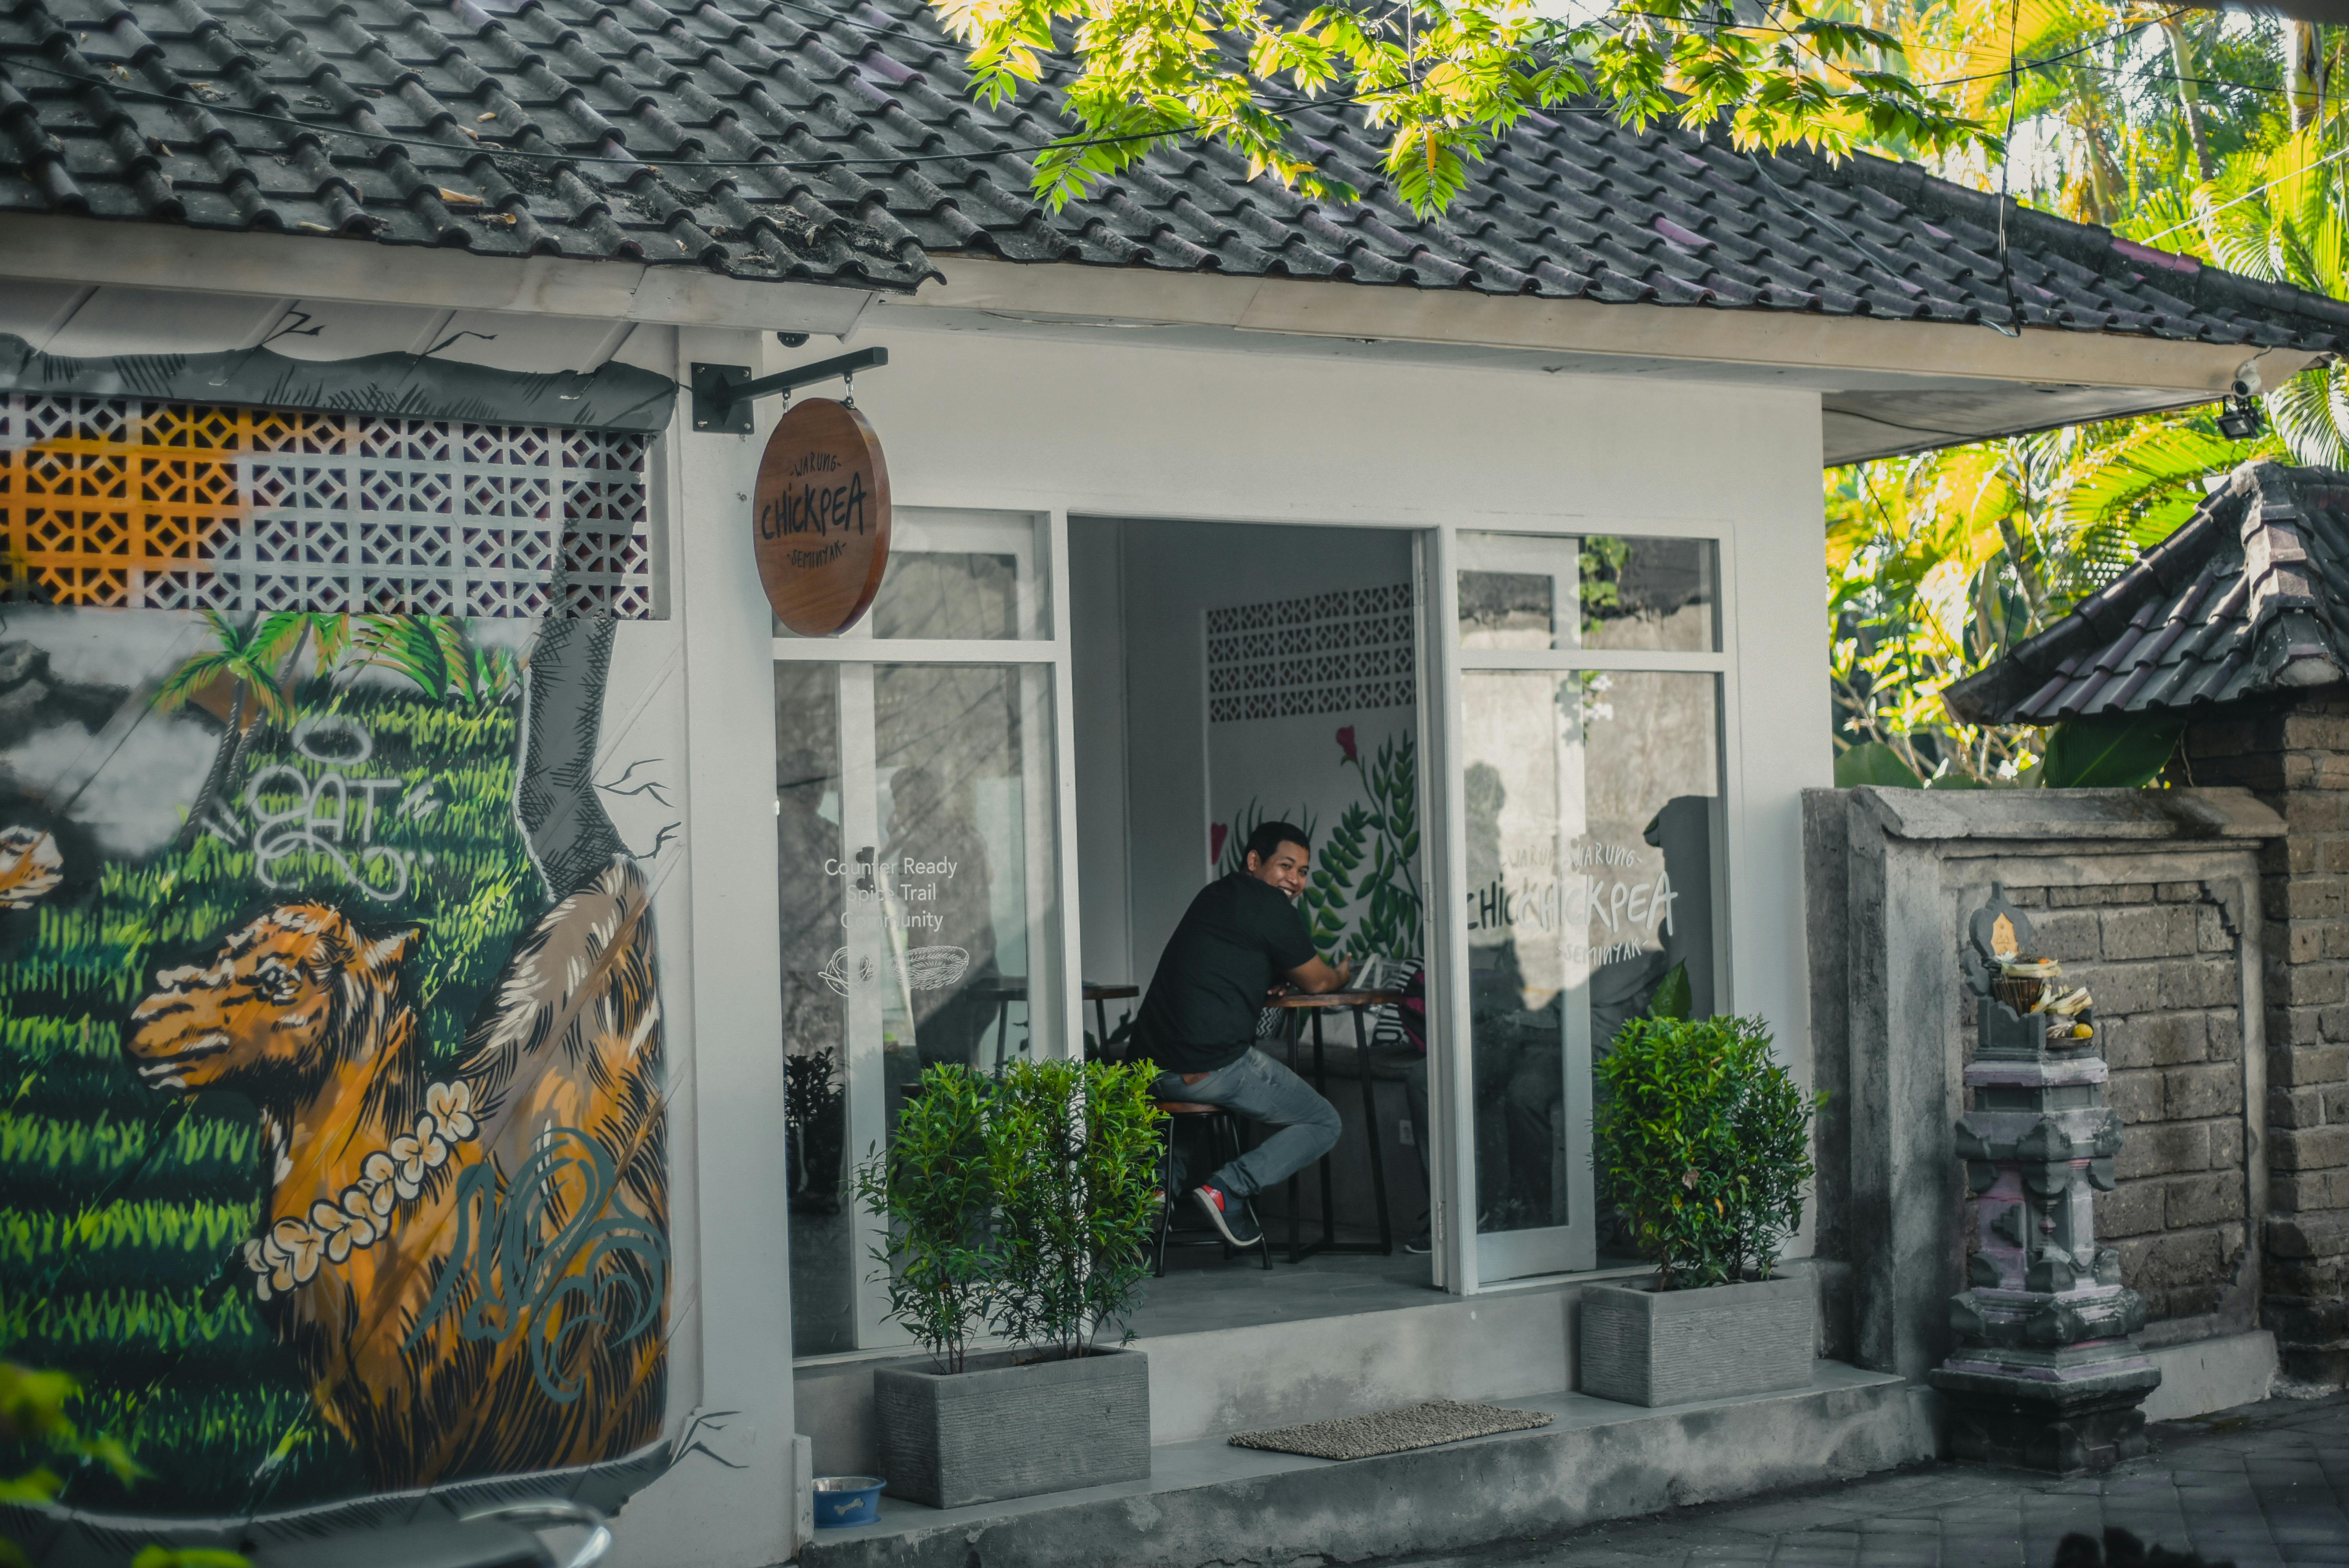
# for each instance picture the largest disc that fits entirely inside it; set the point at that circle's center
(2264, 1485)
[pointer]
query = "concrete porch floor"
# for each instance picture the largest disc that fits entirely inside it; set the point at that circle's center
(1202, 1292)
(1207, 1502)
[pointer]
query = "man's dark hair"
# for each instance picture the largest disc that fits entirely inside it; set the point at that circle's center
(1266, 842)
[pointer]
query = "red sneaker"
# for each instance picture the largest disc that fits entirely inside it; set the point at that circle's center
(1229, 1214)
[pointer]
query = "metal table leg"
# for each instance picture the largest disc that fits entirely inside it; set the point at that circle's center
(1328, 1241)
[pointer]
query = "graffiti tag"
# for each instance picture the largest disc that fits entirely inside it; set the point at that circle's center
(335, 815)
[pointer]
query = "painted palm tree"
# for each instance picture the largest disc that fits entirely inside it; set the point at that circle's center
(433, 652)
(249, 659)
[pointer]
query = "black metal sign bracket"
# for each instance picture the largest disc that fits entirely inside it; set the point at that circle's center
(722, 394)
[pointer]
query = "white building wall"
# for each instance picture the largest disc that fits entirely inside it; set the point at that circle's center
(1124, 429)
(1118, 428)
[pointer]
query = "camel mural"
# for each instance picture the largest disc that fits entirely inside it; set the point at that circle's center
(443, 1013)
(472, 1272)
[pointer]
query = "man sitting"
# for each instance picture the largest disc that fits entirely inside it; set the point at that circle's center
(1240, 937)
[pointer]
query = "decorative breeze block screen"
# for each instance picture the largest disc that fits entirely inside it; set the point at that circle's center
(121, 503)
(1326, 653)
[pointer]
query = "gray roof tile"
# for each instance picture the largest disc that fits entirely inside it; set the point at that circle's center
(828, 141)
(2250, 597)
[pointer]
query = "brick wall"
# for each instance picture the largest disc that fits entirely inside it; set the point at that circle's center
(2295, 758)
(2163, 962)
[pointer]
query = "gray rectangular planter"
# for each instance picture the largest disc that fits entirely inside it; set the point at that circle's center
(998, 1429)
(1668, 1347)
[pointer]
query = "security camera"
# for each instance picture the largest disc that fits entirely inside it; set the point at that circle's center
(2246, 379)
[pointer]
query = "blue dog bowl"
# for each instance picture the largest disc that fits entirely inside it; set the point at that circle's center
(844, 1499)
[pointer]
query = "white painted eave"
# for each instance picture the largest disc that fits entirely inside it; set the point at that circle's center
(1885, 387)
(1829, 352)
(89, 250)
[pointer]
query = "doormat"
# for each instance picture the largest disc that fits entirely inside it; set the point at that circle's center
(1427, 1425)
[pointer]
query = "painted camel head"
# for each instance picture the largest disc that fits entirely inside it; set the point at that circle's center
(282, 1006)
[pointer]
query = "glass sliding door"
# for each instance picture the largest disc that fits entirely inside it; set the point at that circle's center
(920, 877)
(1589, 793)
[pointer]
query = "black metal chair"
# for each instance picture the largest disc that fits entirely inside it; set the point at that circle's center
(1223, 1130)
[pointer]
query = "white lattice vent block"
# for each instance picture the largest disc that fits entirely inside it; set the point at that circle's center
(146, 505)
(1321, 652)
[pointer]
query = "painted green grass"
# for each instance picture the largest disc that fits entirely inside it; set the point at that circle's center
(123, 1213)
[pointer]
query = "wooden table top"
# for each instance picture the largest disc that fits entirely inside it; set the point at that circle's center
(1336, 999)
(1014, 988)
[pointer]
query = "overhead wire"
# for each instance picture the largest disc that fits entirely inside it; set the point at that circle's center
(2238, 201)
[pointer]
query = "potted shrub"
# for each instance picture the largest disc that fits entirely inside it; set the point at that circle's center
(1025, 1202)
(1701, 1140)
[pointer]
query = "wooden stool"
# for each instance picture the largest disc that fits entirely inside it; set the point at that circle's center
(1224, 1132)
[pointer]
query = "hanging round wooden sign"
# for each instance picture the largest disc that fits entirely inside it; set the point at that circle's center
(819, 518)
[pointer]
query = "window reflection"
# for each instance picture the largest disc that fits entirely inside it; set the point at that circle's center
(1596, 590)
(1589, 802)
(916, 874)
(959, 576)
(952, 743)
(934, 593)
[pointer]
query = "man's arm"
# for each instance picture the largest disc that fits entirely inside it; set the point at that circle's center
(1314, 978)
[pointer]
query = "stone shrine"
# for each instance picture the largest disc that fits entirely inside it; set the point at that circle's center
(2045, 1375)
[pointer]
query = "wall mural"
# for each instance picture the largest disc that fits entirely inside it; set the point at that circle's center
(333, 1160)
(335, 1145)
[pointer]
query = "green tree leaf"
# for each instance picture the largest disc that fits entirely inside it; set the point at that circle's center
(1873, 762)
(2110, 751)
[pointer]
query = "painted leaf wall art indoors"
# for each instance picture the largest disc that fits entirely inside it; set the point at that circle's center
(333, 1160)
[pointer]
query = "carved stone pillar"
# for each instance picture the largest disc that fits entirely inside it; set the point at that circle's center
(2044, 1376)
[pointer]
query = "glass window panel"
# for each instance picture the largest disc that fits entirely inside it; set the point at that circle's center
(1590, 801)
(958, 749)
(917, 883)
(960, 574)
(1597, 591)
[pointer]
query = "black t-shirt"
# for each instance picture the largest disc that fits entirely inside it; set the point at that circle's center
(1239, 938)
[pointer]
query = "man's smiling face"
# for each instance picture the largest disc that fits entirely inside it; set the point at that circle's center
(1286, 870)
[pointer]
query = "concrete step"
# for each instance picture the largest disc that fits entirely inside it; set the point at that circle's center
(1207, 1502)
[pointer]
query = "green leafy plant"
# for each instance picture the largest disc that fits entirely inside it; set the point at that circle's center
(2111, 751)
(1075, 1150)
(1873, 762)
(1702, 1141)
(1024, 1202)
(33, 1413)
(1672, 997)
(935, 1186)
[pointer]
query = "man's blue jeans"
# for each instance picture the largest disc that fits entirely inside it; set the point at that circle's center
(1261, 1089)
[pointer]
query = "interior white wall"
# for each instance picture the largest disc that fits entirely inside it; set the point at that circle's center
(1174, 572)
(1119, 429)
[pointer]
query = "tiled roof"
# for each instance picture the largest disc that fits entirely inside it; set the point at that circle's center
(2250, 597)
(854, 154)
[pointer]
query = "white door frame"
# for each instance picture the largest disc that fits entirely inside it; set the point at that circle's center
(1465, 1263)
(1055, 1011)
